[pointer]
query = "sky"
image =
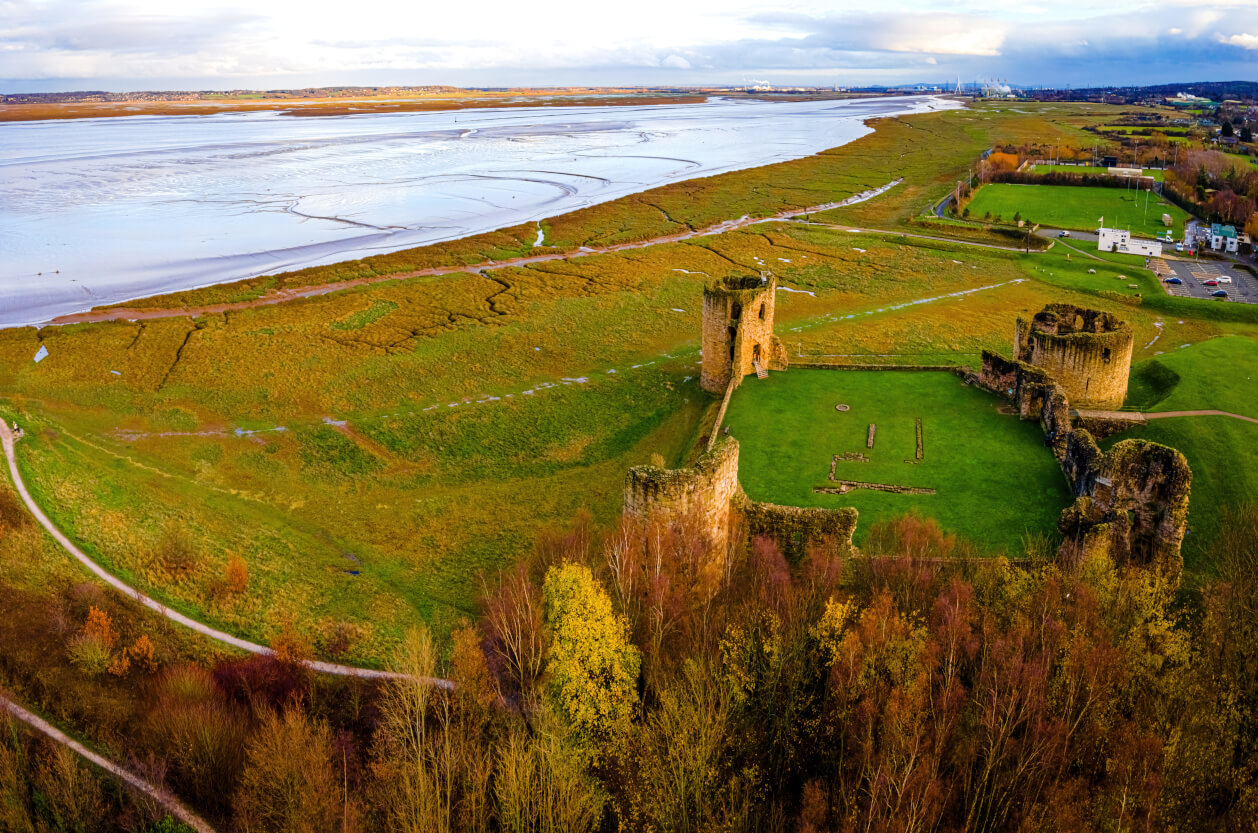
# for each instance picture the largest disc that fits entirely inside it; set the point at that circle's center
(51, 45)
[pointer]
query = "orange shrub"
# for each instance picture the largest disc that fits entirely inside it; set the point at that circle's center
(237, 574)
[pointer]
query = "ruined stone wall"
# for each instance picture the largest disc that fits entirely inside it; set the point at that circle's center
(795, 528)
(1137, 507)
(1131, 503)
(1087, 352)
(1081, 461)
(706, 492)
(1102, 427)
(737, 328)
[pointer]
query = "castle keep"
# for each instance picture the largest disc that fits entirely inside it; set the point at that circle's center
(738, 334)
(1085, 351)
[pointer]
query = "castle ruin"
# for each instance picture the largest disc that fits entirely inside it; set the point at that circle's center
(708, 494)
(738, 340)
(1131, 502)
(738, 334)
(1087, 352)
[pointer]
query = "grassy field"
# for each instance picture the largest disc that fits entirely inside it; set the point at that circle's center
(1087, 170)
(995, 480)
(1071, 207)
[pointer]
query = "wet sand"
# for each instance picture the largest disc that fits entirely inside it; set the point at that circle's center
(99, 211)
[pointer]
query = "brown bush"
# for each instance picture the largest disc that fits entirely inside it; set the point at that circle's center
(236, 575)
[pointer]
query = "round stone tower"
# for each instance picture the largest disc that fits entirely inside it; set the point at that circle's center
(1086, 351)
(738, 330)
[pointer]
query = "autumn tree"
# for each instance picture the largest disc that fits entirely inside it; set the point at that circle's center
(592, 667)
(289, 784)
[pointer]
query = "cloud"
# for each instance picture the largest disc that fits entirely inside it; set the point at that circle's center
(150, 44)
(1243, 40)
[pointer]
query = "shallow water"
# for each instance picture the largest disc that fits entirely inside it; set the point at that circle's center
(96, 211)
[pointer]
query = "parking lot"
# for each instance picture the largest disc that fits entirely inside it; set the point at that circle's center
(1194, 274)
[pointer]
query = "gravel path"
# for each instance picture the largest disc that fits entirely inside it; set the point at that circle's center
(1163, 414)
(7, 437)
(162, 796)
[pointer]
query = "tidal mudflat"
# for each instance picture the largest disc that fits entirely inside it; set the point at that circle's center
(96, 211)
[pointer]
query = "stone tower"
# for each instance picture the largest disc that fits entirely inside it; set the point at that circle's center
(1086, 351)
(738, 331)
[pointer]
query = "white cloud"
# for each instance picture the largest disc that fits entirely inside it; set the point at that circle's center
(227, 43)
(1243, 40)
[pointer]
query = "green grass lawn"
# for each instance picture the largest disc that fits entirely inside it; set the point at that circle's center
(1220, 374)
(1072, 207)
(995, 480)
(1086, 169)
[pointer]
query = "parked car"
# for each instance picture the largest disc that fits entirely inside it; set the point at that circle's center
(1063, 234)
(1225, 278)
(1175, 281)
(1210, 282)
(1179, 247)
(1218, 293)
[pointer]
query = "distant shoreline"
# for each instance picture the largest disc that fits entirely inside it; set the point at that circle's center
(200, 105)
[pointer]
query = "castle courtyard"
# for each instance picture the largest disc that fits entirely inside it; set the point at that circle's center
(982, 473)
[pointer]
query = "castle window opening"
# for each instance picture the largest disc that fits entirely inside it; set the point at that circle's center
(1105, 355)
(733, 337)
(762, 312)
(755, 352)
(736, 311)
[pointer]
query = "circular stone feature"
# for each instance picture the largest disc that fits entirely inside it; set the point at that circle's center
(842, 407)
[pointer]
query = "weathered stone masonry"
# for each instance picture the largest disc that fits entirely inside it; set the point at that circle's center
(710, 494)
(738, 331)
(705, 493)
(1087, 352)
(1131, 503)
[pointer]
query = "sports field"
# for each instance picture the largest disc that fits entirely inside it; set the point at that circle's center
(1071, 207)
(995, 482)
(1088, 170)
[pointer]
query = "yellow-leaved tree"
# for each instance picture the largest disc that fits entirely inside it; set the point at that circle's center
(592, 666)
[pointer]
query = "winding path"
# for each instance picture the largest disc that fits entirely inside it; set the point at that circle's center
(1164, 414)
(162, 796)
(6, 436)
(1136, 416)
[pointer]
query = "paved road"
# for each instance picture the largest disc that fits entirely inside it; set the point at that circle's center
(163, 797)
(7, 437)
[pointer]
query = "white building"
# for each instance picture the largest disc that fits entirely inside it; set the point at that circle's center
(1120, 240)
(1223, 238)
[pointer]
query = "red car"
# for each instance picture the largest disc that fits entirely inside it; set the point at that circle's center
(1210, 283)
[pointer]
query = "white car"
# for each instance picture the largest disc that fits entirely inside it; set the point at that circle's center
(1224, 279)
(1179, 247)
